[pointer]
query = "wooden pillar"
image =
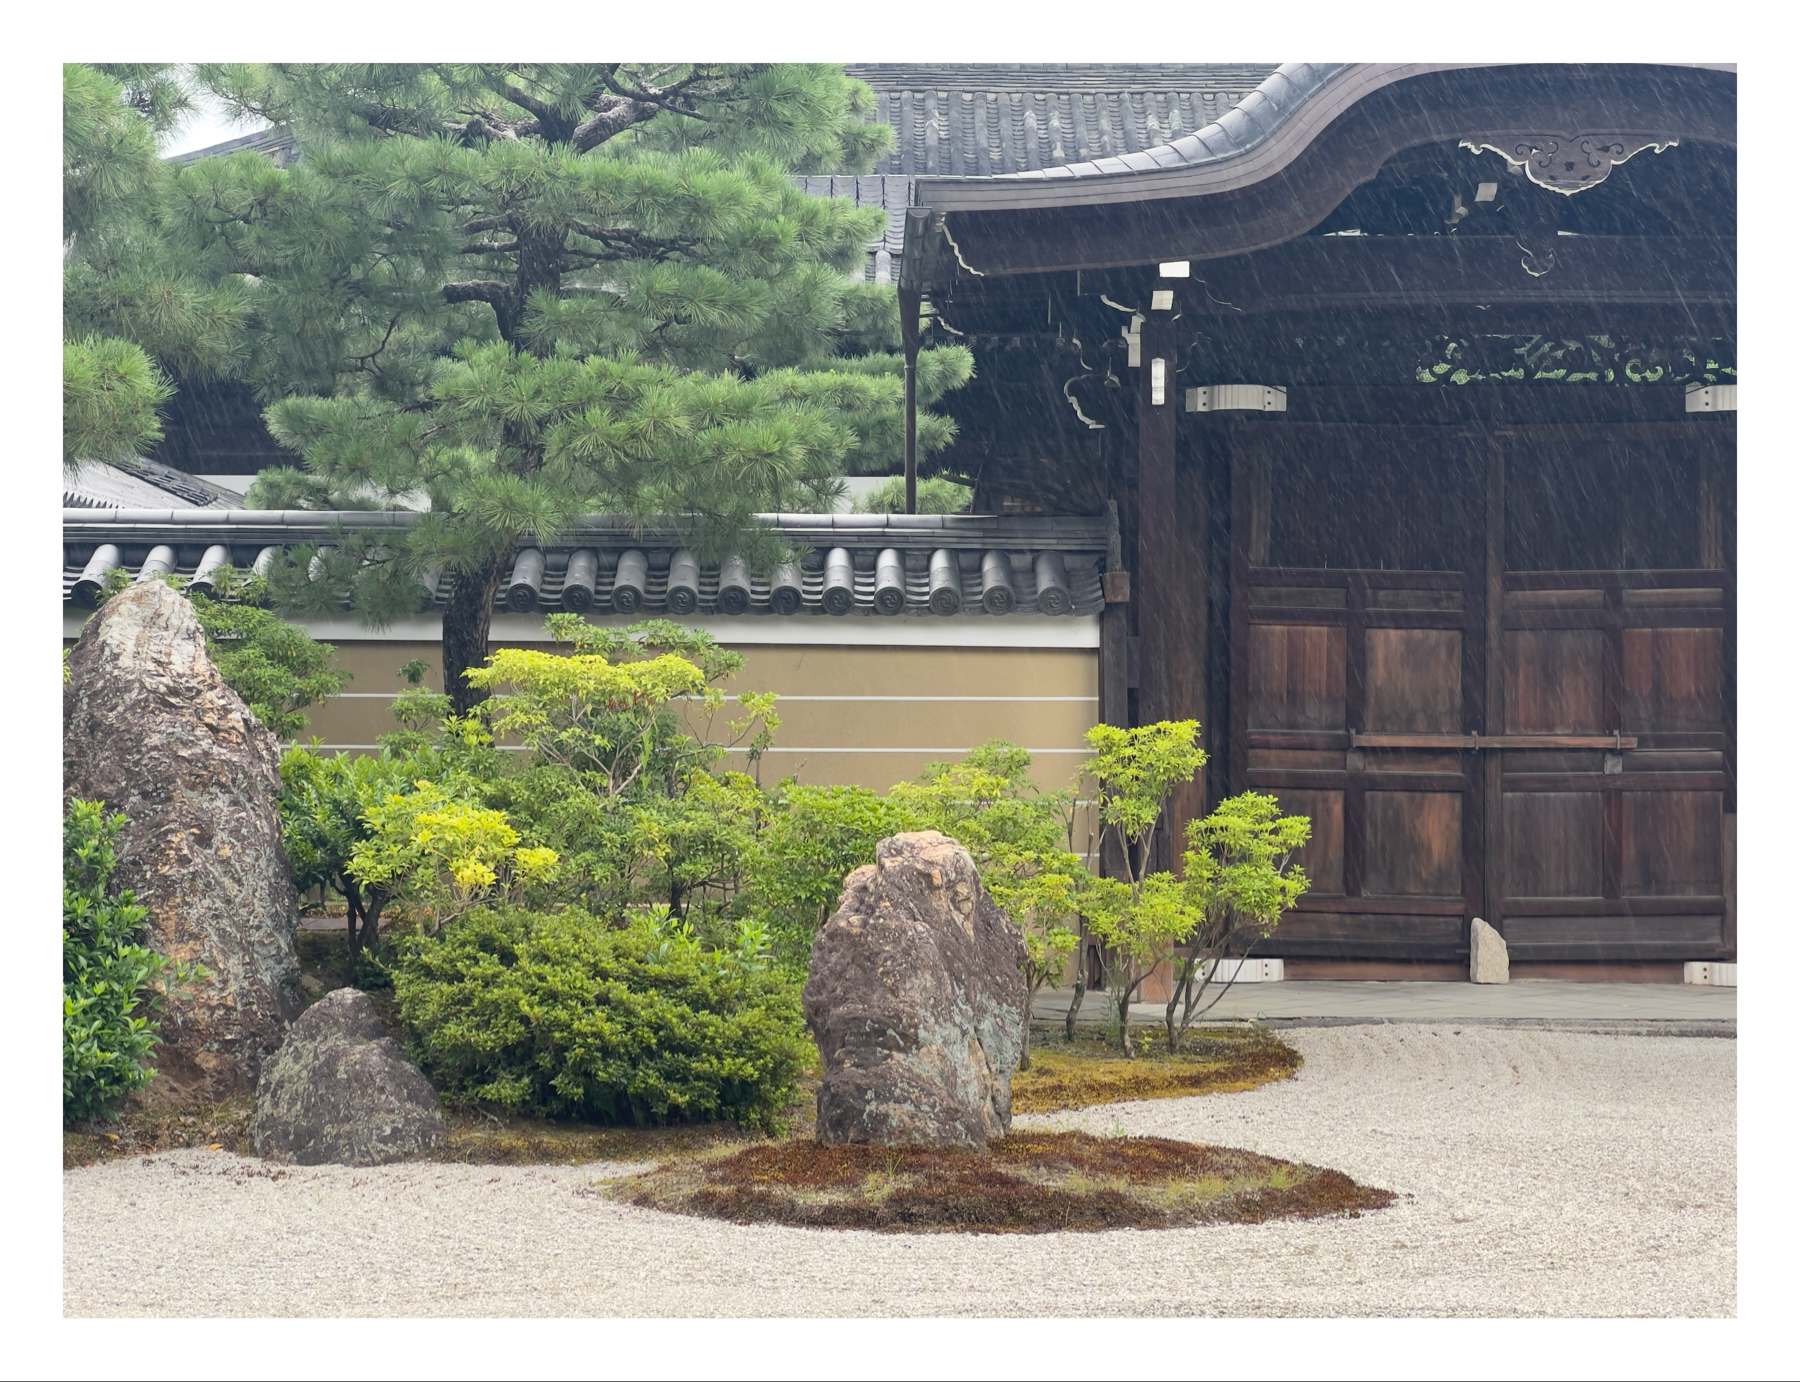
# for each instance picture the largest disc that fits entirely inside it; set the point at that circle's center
(1160, 555)
(1493, 707)
(1188, 653)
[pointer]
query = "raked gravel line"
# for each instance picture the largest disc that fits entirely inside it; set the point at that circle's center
(1541, 1173)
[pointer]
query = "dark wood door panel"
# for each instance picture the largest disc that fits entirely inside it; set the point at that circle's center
(1322, 857)
(1296, 677)
(1555, 681)
(1368, 935)
(1412, 844)
(1672, 679)
(1614, 938)
(1412, 681)
(1670, 844)
(1553, 843)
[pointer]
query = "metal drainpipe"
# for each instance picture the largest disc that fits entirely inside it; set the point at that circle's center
(909, 346)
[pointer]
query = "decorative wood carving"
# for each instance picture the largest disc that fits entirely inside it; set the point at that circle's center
(1568, 163)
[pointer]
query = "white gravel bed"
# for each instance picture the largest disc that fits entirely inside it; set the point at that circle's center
(1541, 1173)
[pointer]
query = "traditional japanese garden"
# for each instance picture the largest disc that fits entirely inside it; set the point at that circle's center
(555, 896)
(574, 911)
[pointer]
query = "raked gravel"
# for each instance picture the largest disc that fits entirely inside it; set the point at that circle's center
(1540, 1173)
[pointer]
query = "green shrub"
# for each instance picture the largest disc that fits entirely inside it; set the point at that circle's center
(113, 985)
(564, 1016)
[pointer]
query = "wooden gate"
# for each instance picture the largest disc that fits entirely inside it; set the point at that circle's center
(1547, 749)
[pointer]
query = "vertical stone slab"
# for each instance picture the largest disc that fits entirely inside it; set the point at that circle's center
(151, 729)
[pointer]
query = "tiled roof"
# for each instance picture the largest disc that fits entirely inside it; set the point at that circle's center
(954, 565)
(979, 119)
(1231, 130)
(140, 483)
(892, 194)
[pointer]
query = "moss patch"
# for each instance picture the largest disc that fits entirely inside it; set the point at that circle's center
(1083, 1072)
(137, 1131)
(481, 1141)
(1026, 1183)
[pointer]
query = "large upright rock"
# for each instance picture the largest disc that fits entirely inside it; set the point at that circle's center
(916, 996)
(151, 729)
(341, 1091)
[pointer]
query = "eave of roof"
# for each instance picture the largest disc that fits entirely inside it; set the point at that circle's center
(1257, 138)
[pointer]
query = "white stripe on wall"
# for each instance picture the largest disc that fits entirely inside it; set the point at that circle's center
(1080, 700)
(780, 748)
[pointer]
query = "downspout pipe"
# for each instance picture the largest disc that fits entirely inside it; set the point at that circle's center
(909, 347)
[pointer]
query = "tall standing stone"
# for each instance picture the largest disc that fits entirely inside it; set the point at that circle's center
(151, 729)
(916, 995)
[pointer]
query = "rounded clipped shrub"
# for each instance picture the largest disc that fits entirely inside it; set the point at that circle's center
(565, 1016)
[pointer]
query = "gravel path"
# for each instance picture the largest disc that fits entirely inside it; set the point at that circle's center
(1542, 1173)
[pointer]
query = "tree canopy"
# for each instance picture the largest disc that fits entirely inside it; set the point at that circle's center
(513, 293)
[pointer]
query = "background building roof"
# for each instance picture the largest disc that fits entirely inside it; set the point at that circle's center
(978, 119)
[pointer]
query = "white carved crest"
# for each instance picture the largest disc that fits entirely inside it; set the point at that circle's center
(1568, 163)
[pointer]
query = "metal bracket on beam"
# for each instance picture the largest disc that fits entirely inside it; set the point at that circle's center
(1243, 398)
(1712, 398)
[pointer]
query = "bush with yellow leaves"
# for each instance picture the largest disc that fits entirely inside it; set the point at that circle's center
(444, 854)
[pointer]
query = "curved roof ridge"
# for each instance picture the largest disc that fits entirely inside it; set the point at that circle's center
(1239, 130)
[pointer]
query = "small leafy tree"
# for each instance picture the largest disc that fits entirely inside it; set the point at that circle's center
(811, 837)
(608, 710)
(114, 986)
(1016, 833)
(1139, 917)
(324, 806)
(445, 854)
(694, 843)
(1237, 881)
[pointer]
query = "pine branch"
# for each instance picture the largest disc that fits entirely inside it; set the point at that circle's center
(487, 290)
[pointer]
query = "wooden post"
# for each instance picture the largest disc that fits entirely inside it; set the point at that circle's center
(1159, 540)
(909, 347)
(1160, 556)
(1493, 705)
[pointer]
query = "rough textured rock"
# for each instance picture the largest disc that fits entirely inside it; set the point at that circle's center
(340, 1091)
(916, 996)
(1487, 954)
(151, 729)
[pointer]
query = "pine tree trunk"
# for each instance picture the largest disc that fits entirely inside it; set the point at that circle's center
(467, 618)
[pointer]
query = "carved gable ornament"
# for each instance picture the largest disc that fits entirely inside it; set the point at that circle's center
(1568, 163)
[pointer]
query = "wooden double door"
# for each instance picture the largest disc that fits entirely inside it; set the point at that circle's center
(1547, 749)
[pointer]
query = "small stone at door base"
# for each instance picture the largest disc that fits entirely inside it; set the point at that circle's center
(1487, 954)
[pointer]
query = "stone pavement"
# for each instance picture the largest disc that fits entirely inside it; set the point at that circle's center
(1666, 1009)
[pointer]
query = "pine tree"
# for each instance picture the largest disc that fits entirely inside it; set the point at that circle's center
(138, 313)
(529, 292)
